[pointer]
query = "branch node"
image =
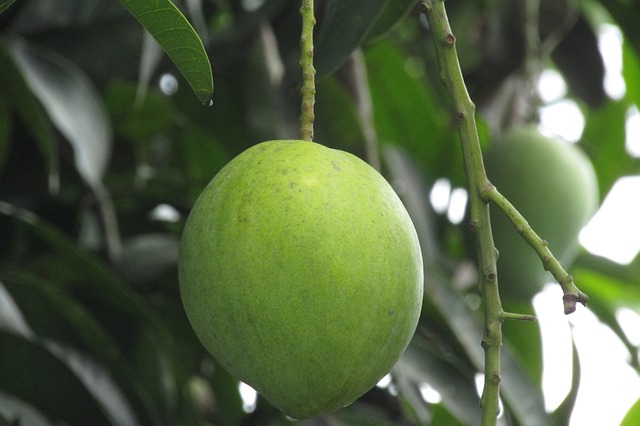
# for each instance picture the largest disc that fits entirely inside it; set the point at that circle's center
(449, 40)
(570, 301)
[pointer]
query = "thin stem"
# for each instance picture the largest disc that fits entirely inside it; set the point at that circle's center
(464, 108)
(359, 86)
(518, 317)
(572, 295)
(308, 90)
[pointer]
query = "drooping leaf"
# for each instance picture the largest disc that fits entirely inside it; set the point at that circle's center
(140, 333)
(72, 103)
(524, 340)
(27, 107)
(344, 27)
(603, 139)
(337, 122)
(137, 121)
(5, 131)
(630, 71)
(4, 4)
(625, 14)
(389, 18)
(47, 383)
(421, 364)
(54, 315)
(174, 33)
(578, 57)
(562, 414)
(407, 113)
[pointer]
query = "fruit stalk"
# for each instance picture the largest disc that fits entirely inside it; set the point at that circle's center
(308, 90)
(464, 108)
(572, 294)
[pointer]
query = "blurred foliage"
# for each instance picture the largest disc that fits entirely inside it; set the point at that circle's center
(104, 147)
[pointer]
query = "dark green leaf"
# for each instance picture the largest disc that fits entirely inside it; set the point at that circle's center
(517, 389)
(31, 372)
(53, 315)
(5, 130)
(422, 364)
(27, 107)
(140, 333)
(630, 72)
(4, 5)
(177, 37)
(337, 123)
(73, 104)
(603, 139)
(406, 113)
(578, 57)
(625, 14)
(525, 340)
(392, 14)
(562, 415)
(344, 27)
(137, 120)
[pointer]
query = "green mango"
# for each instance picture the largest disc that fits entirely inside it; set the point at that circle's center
(301, 273)
(553, 185)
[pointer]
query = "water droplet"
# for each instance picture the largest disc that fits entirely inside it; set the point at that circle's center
(168, 84)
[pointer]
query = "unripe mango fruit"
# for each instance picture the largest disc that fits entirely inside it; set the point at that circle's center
(301, 273)
(554, 186)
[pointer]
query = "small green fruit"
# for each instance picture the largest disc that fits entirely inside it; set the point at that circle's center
(553, 185)
(300, 271)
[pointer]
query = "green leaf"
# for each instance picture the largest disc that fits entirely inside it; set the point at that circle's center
(29, 110)
(179, 40)
(562, 415)
(73, 104)
(344, 26)
(393, 12)
(140, 333)
(421, 363)
(579, 59)
(54, 315)
(630, 72)
(517, 389)
(4, 4)
(525, 340)
(137, 120)
(5, 130)
(603, 139)
(625, 13)
(337, 123)
(47, 383)
(406, 113)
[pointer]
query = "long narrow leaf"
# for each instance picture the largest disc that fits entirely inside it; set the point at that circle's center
(344, 27)
(4, 5)
(47, 383)
(71, 101)
(177, 37)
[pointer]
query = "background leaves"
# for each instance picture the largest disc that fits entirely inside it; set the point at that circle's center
(99, 167)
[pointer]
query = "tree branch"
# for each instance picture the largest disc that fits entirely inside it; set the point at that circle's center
(464, 109)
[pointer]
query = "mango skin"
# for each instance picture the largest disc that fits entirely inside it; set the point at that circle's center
(301, 273)
(554, 186)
